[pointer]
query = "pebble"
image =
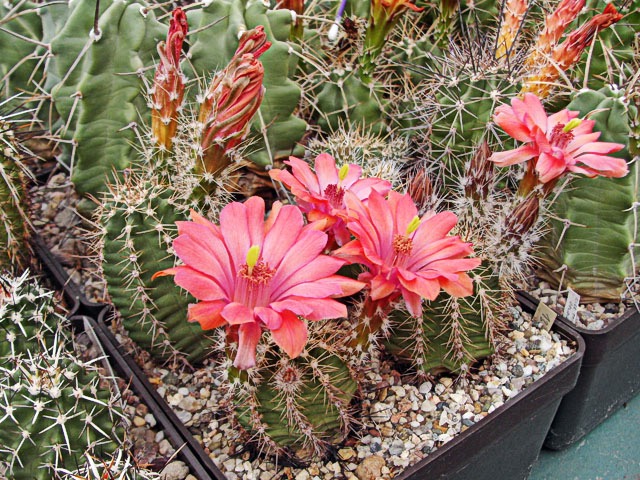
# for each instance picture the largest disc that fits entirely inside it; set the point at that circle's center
(381, 412)
(370, 468)
(139, 421)
(174, 471)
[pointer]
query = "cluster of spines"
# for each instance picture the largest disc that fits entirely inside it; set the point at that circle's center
(296, 408)
(55, 406)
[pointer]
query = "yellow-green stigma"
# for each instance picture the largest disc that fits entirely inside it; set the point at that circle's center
(252, 257)
(343, 172)
(572, 124)
(413, 225)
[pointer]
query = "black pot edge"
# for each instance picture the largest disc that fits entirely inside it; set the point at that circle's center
(569, 368)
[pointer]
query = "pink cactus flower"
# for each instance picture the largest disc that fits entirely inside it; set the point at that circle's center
(320, 195)
(557, 143)
(251, 274)
(404, 253)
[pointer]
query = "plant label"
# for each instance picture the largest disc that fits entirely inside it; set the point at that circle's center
(571, 306)
(545, 315)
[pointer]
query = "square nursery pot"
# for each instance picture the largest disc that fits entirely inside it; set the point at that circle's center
(504, 445)
(609, 377)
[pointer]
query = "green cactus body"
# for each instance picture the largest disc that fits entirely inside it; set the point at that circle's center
(296, 407)
(21, 63)
(138, 218)
(276, 130)
(452, 334)
(594, 226)
(13, 232)
(55, 408)
(96, 85)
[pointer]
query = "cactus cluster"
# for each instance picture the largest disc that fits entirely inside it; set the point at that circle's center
(56, 408)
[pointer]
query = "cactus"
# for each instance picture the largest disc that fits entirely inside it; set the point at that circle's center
(591, 245)
(13, 219)
(56, 409)
(295, 408)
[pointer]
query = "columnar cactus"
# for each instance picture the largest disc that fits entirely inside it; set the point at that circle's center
(592, 243)
(56, 408)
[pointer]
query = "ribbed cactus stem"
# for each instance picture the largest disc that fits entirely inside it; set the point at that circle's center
(370, 320)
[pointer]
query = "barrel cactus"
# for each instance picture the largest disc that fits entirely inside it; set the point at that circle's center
(56, 407)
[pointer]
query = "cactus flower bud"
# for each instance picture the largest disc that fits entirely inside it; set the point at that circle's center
(168, 83)
(513, 15)
(233, 99)
(253, 41)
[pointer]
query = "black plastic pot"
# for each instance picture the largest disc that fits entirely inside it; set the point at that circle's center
(503, 446)
(609, 377)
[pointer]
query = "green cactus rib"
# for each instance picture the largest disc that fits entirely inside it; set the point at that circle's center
(55, 410)
(137, 219)
(276, 130)
(99, 92)
(597, 246)
(313, 415)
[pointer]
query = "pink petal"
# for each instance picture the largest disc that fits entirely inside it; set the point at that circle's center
(512, 157)
(425, 288)
(434, 228)
(299, 308)
(207, 314)
(292, 335)
(348, 285)
(603, 148)
(507, 120)
(413, 303)
(235, 231)
(236, 313)
(535, 110)
(353, 175)
(206, 253)
(403, 210)
(461, 287)
(326, 171)
(269, 317)
(302, 172)
(323, 308)
(606, 166)
(255, 219)
(381, 287)
(363, 187)
(200, 220)
(199, 285)
(315, 270)
(549, 167)
(282, 235)
(579, 140)
(313, 289)
(248, 338)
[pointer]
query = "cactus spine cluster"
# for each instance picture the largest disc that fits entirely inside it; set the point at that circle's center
(56, 409)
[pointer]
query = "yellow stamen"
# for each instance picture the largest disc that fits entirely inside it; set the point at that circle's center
(413, 225)
(571, 125)
(252, 257)
(343, 172)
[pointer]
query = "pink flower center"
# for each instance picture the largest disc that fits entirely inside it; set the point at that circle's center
(560, 138)
(335, 195)
(253, 285)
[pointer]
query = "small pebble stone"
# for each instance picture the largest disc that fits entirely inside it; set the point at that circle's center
(174, 471)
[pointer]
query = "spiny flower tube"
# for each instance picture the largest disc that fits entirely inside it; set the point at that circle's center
(168, 83)
(415, 257)
(557, 59)
(231, 101)
(555, 144)
(250, 274)
(320, 195)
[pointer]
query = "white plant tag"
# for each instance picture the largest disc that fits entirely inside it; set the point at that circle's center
(571, 307)
(545, 315)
